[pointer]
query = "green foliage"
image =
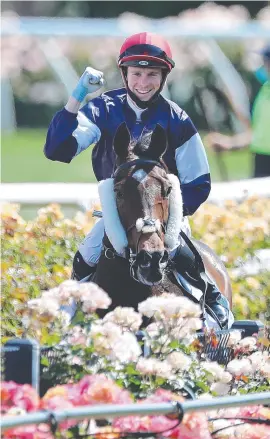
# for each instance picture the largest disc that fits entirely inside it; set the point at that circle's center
(37, 255)
(236, 232)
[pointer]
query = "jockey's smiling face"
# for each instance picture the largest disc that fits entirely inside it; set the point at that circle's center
(144, 82)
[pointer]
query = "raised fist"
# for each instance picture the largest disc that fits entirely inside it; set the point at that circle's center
(90, 81)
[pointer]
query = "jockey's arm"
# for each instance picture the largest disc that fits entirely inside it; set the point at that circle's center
(72, 131)
(193, 168)
(69, 134)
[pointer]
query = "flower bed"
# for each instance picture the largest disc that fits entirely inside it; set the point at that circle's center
(100, 360)
(89, 345)
(37, 255)
(98, 389)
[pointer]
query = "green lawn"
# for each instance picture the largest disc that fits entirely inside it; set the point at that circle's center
(23, 161)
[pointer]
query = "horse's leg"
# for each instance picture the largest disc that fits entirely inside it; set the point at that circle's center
(215, 268)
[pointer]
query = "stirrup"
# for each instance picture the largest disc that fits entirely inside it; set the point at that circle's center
(219, 314)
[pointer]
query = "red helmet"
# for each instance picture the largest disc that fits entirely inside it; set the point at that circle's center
(146, 50)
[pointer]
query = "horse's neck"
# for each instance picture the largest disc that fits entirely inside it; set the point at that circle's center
(113, 275)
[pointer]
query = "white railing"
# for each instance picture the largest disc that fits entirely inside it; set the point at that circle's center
(118, 27)
(115, 411)
(85, 194)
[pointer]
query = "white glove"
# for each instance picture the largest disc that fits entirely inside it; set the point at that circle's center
(90, 81)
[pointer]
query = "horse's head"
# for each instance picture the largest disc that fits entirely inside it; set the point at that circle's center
(142, 204)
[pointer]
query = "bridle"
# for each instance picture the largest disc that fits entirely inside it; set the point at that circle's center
(109, 252)
(137, 162)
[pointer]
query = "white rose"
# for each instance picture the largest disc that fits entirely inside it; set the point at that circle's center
(126, 348)
(179, 361)
(248, 342)
(220, 389)
(265, 369)
(234, 338)
(125, 317)
(240, 367)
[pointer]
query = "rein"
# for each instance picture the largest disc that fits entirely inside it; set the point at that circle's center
(110, 253)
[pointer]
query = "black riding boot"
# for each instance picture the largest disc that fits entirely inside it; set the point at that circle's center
(81, 270)
(189, 264)
(218, 304)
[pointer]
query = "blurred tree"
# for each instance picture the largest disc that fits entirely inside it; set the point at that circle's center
(25, 62)
(96, 9)
(30, 8)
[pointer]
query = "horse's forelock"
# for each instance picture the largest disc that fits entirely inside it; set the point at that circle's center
(145, 140)
(141, 145)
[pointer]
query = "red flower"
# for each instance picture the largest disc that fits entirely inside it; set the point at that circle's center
(192, 426)
(41, 431)
(98, 389)
(18, 395)
(59, 402)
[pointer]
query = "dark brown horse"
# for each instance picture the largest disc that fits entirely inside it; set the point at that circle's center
(142, 210)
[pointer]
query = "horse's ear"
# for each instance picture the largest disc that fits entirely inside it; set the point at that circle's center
(121, 140)
(158, 144)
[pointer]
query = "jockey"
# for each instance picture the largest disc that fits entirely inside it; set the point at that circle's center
(145, 61)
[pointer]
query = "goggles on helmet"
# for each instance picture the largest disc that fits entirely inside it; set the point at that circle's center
(145, 55)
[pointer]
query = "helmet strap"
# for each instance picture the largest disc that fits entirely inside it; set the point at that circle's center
(138, 102)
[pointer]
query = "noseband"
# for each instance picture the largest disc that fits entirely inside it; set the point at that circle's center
(150, 222)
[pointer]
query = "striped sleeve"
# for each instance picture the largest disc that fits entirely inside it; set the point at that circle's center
(87, 133)
(69, 134)
(192, 167)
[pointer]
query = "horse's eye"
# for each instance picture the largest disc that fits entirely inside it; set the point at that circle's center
(168, 191)
(119, 194)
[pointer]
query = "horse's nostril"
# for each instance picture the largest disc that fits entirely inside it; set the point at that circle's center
(144, 259)
(153, 261)
(165, 257)
(145, 264)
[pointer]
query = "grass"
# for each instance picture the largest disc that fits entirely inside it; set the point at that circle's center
(23, 161)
